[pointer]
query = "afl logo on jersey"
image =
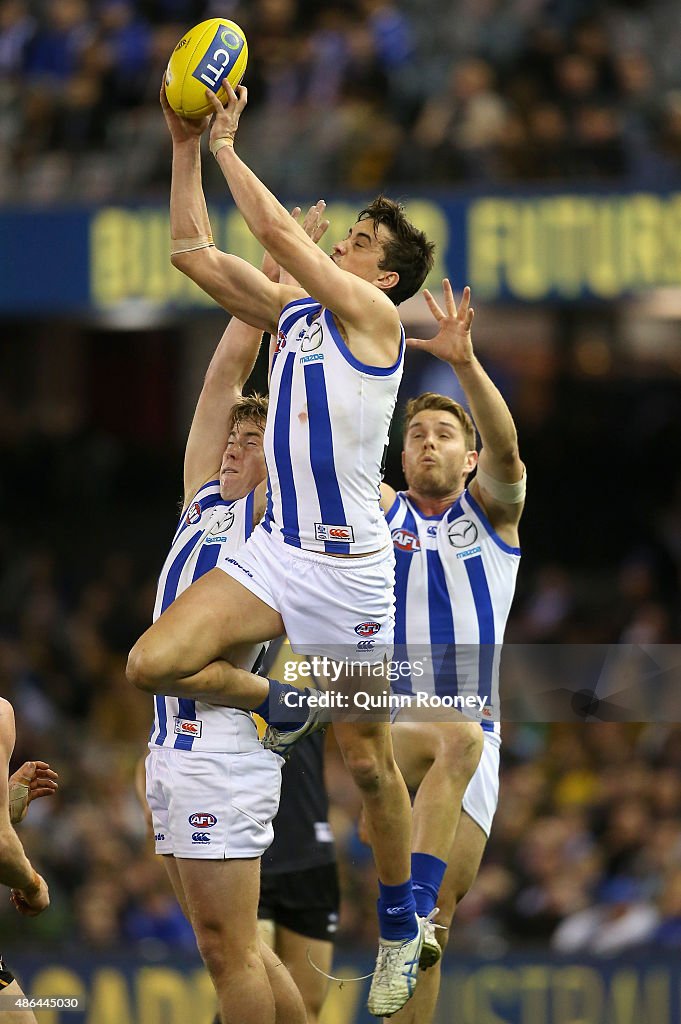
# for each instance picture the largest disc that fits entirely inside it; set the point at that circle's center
(281, 341)
(462, 533)
(367, 628)
(407, 541)
(200, 819)
(310, 340)
(193, 513)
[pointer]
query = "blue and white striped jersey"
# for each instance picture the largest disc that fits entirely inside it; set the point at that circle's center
(454, 584)
(325, 437)
(208, 526)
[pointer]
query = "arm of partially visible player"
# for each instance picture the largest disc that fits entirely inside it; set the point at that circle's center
(388, 496)
(259, 502)
(16, 869)
(499, 455)
(232, 282)
(358, 304)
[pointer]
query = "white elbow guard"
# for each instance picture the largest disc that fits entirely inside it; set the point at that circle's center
(509, 494)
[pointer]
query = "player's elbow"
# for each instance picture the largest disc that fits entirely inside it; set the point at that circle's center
(186, 262)
(144, 669)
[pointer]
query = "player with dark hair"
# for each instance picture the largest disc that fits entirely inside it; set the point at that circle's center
(323, 543)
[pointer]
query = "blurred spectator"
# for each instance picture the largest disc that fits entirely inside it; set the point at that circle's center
(620, 921)
(502, 91)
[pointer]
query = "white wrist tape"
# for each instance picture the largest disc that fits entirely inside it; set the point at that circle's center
(18, 801)
(509, 494)
(217, 144)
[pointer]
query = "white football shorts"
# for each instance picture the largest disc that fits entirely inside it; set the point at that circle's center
(482, 792)
(343, 608)
(213, 806)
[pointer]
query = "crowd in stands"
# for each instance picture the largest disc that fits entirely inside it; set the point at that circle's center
(352, 95)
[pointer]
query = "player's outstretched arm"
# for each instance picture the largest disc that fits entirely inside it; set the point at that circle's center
(499, 456)
(232, 282)
(228, 371)
(357, 303)
(29, 891)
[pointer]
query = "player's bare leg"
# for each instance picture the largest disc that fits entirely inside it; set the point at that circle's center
(9, 992)
(464, 863)
(294, 949)
(366, 747)
(438, 760)
(288, 1003)
(185, 653)
(222, 901)
(367, 750)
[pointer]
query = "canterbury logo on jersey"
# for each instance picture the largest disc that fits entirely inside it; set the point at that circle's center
(187, 727)
(323, 531)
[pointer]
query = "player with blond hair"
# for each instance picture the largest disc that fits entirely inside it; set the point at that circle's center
(456, 546)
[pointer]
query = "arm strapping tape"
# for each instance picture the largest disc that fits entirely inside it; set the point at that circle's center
(509, 494)
(178, 245)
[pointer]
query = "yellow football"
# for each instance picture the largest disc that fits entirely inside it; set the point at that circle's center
(205, 56)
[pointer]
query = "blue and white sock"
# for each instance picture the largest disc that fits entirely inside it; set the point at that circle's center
(396, 911)
(277, 712)
(427, 873)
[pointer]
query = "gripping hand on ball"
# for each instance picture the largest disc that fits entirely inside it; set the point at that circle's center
(226, 120)
(182, 129)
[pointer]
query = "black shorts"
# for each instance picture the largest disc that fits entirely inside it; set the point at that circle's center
(6, 977)
(305, 902)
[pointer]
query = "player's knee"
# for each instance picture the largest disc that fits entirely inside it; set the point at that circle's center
(365, 769)
(461, 747)
(222, 956)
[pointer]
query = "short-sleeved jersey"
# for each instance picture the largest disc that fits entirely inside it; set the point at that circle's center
(208, 526)
(454, 584)
(326, 434)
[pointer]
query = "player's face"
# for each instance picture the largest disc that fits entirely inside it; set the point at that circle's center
(436, 459)
(361, 250)
(243, 461)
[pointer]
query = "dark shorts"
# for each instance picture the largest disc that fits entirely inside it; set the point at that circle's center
(6, 977)
(305, 902)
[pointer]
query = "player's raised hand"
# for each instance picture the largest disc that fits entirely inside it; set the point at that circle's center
(182, 129)
(453, 342)
(33, 780)
(226, 119)
(315, 224)
(32, 900)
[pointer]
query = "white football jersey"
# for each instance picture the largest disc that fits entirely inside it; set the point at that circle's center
(326, 434)
(207, 527)
(454, 584)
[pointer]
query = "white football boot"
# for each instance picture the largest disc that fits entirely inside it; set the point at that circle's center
(395, 975)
